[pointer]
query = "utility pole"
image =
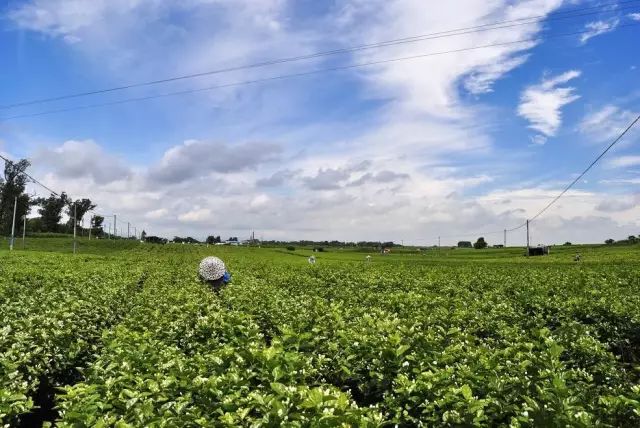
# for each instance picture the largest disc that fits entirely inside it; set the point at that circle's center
(128, 230)
(109, 234)
(115, 225)
(505, 238)
(527, 238)
(438, 246)
(135, 232)
(13, 225)
(90, 227)
(75, 222)
(24, 231)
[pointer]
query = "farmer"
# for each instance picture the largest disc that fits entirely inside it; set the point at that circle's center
(213, 271)
(577, 257)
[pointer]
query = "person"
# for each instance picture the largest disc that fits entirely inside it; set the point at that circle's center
(213, 271)
(312, 260)
(577, 257)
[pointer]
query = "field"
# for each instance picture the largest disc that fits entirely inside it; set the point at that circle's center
(124, 334)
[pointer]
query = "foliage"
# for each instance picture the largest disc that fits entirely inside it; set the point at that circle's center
(465, 244)
(155, 240)
(480, 244)
(13, 186)
(400, 341)
(77, 209)
(51, 211)
(213, 240)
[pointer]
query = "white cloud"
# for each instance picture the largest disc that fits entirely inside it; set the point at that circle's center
(597, 28)
(538, 140)
(406, 169)
(198, 215)
(634, 16)
(83, 159)
(195, 158)
(541, 104)
(606, 123)
(624, 161)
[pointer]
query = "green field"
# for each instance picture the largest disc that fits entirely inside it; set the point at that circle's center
(124, 334)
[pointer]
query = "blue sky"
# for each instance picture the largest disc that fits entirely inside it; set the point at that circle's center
(452, 144)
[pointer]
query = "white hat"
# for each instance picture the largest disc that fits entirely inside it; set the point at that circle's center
(212, 269)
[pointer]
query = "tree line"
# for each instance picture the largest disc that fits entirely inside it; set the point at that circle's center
(13, 196)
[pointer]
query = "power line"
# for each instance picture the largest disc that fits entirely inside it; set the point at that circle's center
(575, 13)
(30, 177)
(288, 76)
(565, 190)
(591, 165)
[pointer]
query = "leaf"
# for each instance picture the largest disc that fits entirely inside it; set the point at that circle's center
(466, 392)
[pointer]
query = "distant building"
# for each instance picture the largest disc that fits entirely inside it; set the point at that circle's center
(498, 246)
(540, 250)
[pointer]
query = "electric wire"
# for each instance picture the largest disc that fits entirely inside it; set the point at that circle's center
(575, 13)
(591, 165)
(294, 75)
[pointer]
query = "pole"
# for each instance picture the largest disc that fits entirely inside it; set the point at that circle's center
(115, 224)
(13, 225)
(438, 246)
(527, 238)
(90, 227)
(75, 222)
(24, 231)
(135, 232)
(505, 238)
(109, 234)
(128, 230)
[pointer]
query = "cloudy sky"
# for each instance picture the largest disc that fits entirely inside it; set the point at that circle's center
(447, 140)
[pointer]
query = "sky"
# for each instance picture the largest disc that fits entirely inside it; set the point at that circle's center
(461, 135)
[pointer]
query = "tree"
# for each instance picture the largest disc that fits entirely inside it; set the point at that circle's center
(213, 239)
(465, 244)
(81, 207)
(143, 236)
(632, 239)
(480, 244)
(51, 211)
(12, 186)
(96, 225)
(567, 244)
(609, 241)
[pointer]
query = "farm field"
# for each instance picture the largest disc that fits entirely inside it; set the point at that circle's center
(124, 334)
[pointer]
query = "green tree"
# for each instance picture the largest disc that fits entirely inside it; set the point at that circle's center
(96, 225)
(480, 244)
(12, 186)
(81, 207)
(51, 211)
(143, 236)
(609, 241)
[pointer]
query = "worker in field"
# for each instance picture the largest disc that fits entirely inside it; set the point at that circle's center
(213, 271)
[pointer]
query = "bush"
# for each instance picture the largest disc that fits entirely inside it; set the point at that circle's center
(480, 244)
(290, 248)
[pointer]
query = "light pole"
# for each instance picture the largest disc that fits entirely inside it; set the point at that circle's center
(24, 231)
(75, 222)
(13, 225)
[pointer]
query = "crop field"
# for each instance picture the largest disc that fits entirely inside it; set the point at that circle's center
(124, 334)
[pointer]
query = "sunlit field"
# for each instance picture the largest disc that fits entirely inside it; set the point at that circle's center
(125, 334)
